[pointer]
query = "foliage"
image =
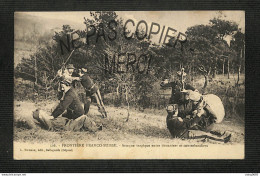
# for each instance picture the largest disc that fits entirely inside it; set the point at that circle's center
(206, 45)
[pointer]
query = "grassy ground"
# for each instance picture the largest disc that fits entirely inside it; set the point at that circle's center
(148, 126)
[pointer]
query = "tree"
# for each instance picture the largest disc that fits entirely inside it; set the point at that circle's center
(238, 45)
(223, 27)
(42, 66)
(109, 47)
(202, 40)
(209, 45)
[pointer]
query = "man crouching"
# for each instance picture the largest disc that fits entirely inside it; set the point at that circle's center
(74, 118)
(189, 127)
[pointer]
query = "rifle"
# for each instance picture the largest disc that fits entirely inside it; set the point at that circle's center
(63, 65)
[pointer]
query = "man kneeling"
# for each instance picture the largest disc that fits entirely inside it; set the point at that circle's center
(73, 120)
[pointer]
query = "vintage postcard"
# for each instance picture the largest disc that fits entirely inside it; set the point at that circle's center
(129, 85)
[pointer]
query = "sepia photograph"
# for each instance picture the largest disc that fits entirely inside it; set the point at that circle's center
(129, 85)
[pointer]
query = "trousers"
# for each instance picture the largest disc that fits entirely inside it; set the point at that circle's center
(82, 123)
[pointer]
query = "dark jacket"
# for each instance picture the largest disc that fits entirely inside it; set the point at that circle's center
(86, 81)
(71, 103)
(176, 96)
(178, 128)
(88, 84)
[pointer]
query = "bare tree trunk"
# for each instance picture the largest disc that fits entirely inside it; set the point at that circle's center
(215, 73)
(223, 69)
(117, 90)
(215, 69)
(46, 88)
(205, 83)
(126, 97)
(228, 68)
(205, 74)
(238, 74)
(35, 69)
(52, 65)
(239, 66)
(190, 72)
(193, 72)
(209, 71)
(35, 83)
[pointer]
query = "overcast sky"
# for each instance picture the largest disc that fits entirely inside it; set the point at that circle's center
(178, 20)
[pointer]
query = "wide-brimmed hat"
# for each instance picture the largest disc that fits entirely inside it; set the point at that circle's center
(193, 95)
(70, 66)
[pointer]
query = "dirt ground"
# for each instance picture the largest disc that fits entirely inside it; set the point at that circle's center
(146, 127)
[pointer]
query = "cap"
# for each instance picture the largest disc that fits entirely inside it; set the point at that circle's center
(65, 82)
(70, 66)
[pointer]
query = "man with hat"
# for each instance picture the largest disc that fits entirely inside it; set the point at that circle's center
(74, 119)
(92, 91)
(177, 97)
(190, 128)
(209, 107)
(70, 102)
(67, 75)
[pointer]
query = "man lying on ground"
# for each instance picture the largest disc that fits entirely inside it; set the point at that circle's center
(74, 118)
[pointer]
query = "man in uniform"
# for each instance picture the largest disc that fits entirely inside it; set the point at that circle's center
(92, 90)
(187, 128)
(177, 97)
(209, 107)
(74, 119)
(68, 75)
